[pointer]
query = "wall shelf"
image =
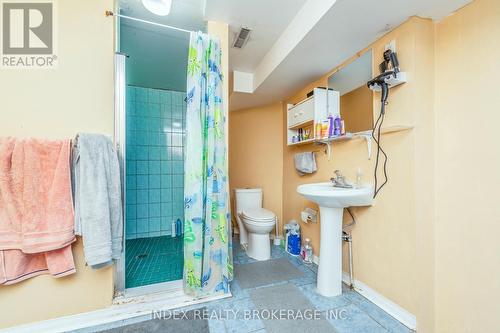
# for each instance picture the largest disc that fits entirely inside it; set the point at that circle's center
(367, 135)
(385, 130)
(313, 110)
(303, 142)
(347, 136)
(397, 128)
(351, 136)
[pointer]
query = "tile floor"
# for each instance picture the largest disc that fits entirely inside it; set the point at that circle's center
(153, 260)
(355, 314)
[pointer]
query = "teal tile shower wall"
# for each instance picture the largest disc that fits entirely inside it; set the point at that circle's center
(155, 129)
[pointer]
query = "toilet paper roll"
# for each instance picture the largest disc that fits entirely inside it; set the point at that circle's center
(309, 215)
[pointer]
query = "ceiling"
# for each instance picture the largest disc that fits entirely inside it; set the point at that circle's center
(266, 18)
(343, 28)
(185, 14)
(293, 42)
(158, 56)
(155, 60)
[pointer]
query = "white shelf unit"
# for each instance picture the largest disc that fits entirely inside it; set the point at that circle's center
(311, 111)
(314, 110)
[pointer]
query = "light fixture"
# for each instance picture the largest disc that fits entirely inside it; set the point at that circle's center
(158, 7)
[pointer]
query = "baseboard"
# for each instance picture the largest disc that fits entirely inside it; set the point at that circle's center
(123, 310)
(394, 310)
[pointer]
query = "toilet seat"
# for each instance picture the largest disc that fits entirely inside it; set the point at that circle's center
(258, 215)
(259, 223)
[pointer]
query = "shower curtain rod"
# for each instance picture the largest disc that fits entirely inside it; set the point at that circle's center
(110, 13)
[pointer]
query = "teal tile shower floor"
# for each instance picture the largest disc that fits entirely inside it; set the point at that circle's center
(153, 260)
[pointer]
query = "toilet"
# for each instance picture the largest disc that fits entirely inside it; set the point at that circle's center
(254, 222)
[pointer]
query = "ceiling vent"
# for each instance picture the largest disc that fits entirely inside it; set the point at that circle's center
(241, 38)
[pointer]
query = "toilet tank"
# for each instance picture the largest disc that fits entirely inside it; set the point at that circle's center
(248, 198)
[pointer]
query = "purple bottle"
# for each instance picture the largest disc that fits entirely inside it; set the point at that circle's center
(337, 123)
(330, 125)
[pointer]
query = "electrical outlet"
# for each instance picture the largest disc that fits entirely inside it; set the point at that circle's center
(391, 46)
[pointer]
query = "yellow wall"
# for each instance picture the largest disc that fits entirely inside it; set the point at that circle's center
(256, 153)
(467, 170)
(75, 97)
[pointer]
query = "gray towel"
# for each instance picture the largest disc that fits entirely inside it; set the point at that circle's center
(305, 163)
(97, 197)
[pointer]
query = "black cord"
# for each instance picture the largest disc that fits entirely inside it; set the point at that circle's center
(377, 129)
(376, 159)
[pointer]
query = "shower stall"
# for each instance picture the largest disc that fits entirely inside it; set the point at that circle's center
(151, 123)
(154, 196)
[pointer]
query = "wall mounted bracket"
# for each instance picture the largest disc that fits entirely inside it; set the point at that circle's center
(391, 78)
(368, 138)
(328, 148)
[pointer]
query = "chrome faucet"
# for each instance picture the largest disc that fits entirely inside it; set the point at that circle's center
(339, 180)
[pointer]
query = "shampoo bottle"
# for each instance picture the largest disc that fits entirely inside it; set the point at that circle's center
(178, 227)
(317, 132)
(174, 232)
(325, 126)
(330, 125)
(338, 125)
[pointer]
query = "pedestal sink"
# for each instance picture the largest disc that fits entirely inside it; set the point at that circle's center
(332, 201)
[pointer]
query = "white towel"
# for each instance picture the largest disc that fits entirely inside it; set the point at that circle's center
(97, 196)
(305, 163)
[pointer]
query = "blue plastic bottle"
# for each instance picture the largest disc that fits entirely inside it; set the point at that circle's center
(178, 227)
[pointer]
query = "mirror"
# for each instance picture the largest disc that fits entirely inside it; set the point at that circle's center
(356, 100)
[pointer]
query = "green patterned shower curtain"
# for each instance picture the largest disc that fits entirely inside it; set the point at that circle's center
(208, 262)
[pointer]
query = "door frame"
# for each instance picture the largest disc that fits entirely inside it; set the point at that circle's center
(120, 144)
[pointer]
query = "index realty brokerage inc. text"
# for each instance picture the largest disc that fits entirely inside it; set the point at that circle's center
(249, 314)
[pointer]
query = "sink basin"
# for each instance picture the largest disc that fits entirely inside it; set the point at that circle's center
(325, 195)
(332, 201)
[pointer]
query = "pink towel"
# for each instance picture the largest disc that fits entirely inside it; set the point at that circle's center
(36, 210)
(16, 266)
